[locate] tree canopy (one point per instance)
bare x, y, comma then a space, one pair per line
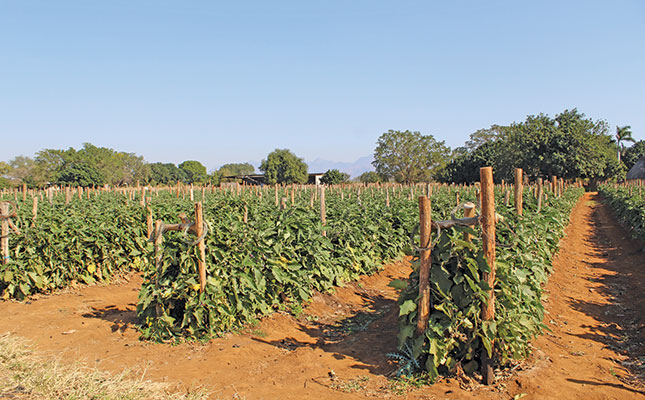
369, 177
409, 157
334, 177
282, 166
569, 146
194, 170
632, 154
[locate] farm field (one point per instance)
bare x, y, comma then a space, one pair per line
335, 348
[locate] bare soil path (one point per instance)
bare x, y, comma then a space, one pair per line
336, 348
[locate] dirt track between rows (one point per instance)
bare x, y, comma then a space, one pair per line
336, 348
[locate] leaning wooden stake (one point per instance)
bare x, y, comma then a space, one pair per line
425, 222
519, 188
488, 242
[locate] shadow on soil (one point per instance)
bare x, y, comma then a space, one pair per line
364, 335
621, 322
121, 319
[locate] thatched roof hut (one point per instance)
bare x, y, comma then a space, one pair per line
638, 170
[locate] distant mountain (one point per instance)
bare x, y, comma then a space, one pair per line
354, 168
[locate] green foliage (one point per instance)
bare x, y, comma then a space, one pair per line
623, 134
568, 146
282, 166
84, 241
89, 164
629, 208
632, 154
166, 174
194, 170
334, 177
236, 169
456, 334
409, 156
274, 261
369, 177
80, 174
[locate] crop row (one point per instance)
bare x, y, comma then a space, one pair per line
628, 204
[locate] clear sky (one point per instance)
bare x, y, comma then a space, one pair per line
230, 81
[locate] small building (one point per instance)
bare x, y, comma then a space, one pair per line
259, 179
638, 170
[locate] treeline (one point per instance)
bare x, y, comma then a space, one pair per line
570, 145
98, 166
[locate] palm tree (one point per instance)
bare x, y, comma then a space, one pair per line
623, 134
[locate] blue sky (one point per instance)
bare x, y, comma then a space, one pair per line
231, 81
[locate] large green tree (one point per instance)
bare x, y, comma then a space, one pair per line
569, 146
334, 177
79, 173
409, 157
282, 166
633, 154
166, 174
195, 171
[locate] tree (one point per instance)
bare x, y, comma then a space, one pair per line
166, 174
79, 173
568, 146
369, 177
334, 177
236, 169
282, 166
4, 170
409, 156
623, 134
195, 171
22, 170
633, 154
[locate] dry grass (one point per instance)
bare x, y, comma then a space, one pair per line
26, 375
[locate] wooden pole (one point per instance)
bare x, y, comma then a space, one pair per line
34, 211
425, 221
4, 241
469, 212
540, 189
199, 231
149, 220
488, 243
323, 214
519, 188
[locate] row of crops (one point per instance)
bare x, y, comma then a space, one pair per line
274, 259
628, 203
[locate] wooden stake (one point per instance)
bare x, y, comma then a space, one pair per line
488, 244
199, 231
425, 221
34, 211
539, 194
4, 241
149, 220
519, 188
469, 212
323, 214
